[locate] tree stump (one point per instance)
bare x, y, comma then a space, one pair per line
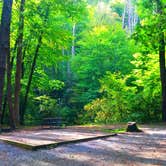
132, 127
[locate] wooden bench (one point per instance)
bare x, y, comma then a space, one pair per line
53, 122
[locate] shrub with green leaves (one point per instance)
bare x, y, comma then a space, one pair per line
47, 106
133, 97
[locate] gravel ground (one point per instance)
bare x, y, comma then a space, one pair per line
148, 148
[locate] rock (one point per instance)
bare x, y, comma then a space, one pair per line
132, 127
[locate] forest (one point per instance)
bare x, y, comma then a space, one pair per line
87, 61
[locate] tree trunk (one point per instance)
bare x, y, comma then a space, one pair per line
163, 74
9, 84
19, 65
132, 127
160, 9
9, 92
23, 68
73, 40
4, 44
4, 109
30, 80
129, 18
23, 109
69, 72
6, 96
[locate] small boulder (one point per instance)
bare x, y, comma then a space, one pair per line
132, 127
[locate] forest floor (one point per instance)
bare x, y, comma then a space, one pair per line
130, 149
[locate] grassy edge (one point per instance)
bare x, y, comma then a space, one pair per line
116, 131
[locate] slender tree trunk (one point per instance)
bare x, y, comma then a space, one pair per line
23, 109
4, 109
19, 64
72, 54
160, 9
73, 41
129, 18
4, 44
30, 79
23, 69
163, 74
9, 92
6, 98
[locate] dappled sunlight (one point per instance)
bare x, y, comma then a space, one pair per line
103, 7
123, 149
50, 137
98, 64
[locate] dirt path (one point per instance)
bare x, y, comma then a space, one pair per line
147, 148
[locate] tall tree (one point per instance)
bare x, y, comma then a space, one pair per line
160, 11
9, 92
44, 17
30, 79
151, 33
130, 18
4, 43
19, 63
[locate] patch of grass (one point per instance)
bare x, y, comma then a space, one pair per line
118, 130
91, 125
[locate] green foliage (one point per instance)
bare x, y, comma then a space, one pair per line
115, 104
135, 97
152, 23
147, 80
112, 77
69, 115
43, 82
102, 50
47, 106
118, 7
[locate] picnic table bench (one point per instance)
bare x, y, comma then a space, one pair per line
53, 122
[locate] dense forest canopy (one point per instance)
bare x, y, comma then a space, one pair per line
94, 61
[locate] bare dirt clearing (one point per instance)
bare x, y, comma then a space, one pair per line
37, 139
148, 148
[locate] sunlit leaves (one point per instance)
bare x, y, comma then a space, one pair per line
103, 48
